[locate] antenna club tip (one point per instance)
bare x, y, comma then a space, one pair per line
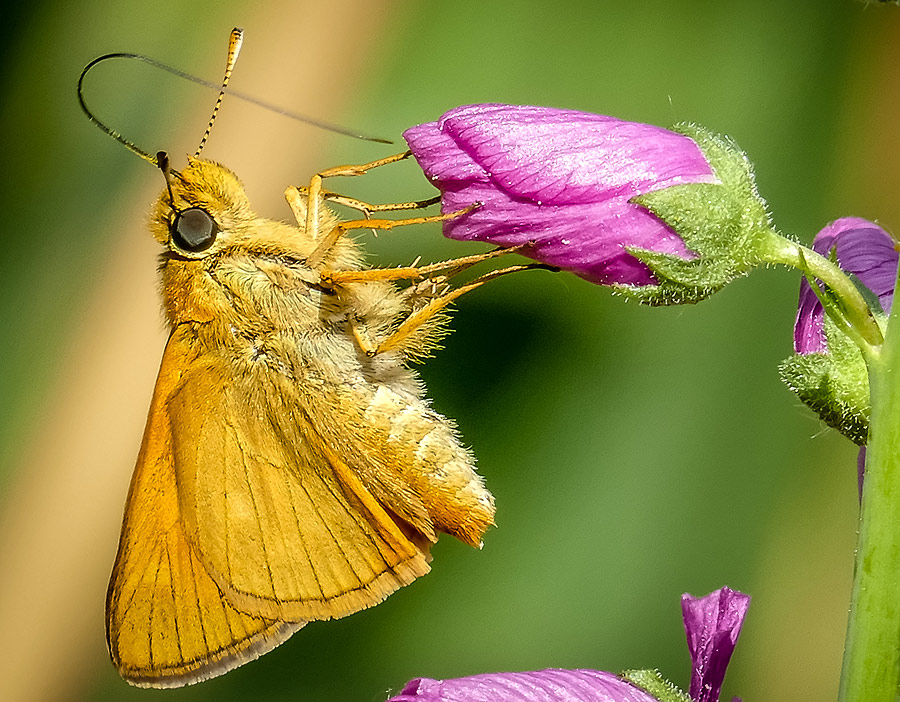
162, 161
234, 44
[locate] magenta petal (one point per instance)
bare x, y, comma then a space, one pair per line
589, 239
863, 249
809, 334
550, 685
535, 153
713, 624
559, 180
568, 157
440, 157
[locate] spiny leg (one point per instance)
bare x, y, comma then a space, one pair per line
339, 230
450, 267
315, 195
368, 208
415, 320
298, 200
364, 168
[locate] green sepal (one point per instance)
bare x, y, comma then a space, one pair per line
835, 385
871, 298
726, 224
653, 683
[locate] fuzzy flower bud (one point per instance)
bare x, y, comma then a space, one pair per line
663, 216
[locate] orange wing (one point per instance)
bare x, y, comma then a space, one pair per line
236, 534
167, 623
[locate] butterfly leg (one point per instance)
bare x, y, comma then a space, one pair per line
449, 267
367, 208
315, 195
306, 202
298, 198
318, 255
407, 331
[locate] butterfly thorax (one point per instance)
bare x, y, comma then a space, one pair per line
251, 297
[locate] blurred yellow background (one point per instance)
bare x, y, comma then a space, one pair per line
635, 453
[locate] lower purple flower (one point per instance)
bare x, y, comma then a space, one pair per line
712, 624
537, 686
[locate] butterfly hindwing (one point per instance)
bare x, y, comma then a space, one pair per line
284, 527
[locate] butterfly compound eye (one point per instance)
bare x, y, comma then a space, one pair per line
194, 230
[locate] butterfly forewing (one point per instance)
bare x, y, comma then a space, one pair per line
167, 622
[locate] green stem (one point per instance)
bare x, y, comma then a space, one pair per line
781, 250
871, 669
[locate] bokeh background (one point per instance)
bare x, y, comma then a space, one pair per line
635, 453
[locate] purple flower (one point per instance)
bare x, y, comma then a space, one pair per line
713, 624
827, 370
538, 686
560, 182
863, 249
867, 251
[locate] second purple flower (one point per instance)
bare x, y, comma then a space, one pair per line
827, 371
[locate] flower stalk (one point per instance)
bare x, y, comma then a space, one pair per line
871, 668
854, 306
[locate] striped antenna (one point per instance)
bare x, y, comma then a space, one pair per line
234, 48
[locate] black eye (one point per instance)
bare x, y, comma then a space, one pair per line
193, 230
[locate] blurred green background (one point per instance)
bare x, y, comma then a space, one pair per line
635, 453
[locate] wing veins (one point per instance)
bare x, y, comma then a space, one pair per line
200, 611
150, 615
174, 608
285, 476
336, 540
337, 543
302, 536
127, 605
382, 532
354, 516
227, 534
361, 523
258, 522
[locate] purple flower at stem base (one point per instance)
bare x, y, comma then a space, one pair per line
828, 371
712, 624
863, 249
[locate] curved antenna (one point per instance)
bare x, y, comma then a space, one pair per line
134, 148
329, 126
234, 48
